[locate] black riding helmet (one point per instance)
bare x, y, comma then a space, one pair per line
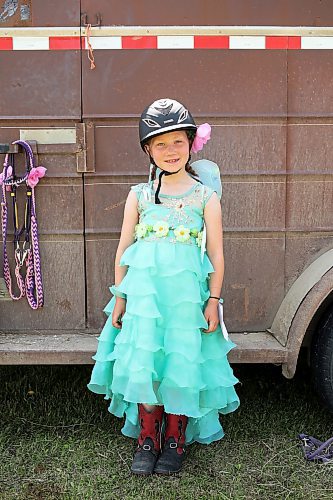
160, 117
164, 115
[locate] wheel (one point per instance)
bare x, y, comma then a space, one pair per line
322, 359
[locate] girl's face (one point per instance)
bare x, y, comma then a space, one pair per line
170, 151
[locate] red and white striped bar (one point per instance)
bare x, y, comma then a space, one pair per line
168, 38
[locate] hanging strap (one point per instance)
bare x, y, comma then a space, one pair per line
27, 254
7, 184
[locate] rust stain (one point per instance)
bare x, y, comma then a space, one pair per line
115, 205
65, 304
246, 298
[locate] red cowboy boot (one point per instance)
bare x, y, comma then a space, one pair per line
149, 442
173, 453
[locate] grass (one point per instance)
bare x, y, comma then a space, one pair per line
57, 441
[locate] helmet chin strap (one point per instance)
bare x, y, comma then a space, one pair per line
164, 172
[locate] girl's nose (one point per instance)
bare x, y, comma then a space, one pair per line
171, 147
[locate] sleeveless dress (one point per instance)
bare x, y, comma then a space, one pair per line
160, 355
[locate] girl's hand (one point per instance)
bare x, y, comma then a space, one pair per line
118, 312
211, 315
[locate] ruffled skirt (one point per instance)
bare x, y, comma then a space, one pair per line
160, 355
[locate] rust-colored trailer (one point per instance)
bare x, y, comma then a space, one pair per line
261, 73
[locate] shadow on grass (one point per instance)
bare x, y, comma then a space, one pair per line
57, 440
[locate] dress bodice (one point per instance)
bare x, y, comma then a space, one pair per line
179, 218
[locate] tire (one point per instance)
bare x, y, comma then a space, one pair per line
322, 359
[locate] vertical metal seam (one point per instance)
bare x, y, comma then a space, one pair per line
85, 273
286, 177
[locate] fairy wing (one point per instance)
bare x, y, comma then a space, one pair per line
209, 174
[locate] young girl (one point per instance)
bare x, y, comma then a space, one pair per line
162, 356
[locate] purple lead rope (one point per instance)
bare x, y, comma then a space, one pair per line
315, 450
31, 285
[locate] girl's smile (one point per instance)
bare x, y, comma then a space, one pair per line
170, 150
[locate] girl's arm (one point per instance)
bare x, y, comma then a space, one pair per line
213, 221
131, 218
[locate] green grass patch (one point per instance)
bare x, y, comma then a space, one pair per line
58, 441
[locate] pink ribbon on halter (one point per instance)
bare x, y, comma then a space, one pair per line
201, 138
35, 174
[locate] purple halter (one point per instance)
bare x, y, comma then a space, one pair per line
315, 450
27, 253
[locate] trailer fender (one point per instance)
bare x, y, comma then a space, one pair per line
302, 319
290, 305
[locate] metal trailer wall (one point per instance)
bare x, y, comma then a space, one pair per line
271, 114
42, 88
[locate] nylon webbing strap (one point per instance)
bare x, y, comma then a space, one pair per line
26, 254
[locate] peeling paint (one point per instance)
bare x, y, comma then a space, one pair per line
25, 12
8, 9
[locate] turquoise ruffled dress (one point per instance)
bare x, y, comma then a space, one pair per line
160, 355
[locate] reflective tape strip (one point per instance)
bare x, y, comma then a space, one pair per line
6, 43
283, 42
317, 42
211, 42
167, 42
139, 42
175, 42
104, 42
276, 42
64, 42
247, 42
294, 42
31, 43
168, 37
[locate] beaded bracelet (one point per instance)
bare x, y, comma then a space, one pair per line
114, 290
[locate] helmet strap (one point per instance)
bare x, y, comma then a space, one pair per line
164, 172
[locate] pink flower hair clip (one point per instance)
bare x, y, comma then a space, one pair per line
35, 174
201, 137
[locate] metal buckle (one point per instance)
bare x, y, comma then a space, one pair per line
306, 442
22, 254
173, 445
146, 447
